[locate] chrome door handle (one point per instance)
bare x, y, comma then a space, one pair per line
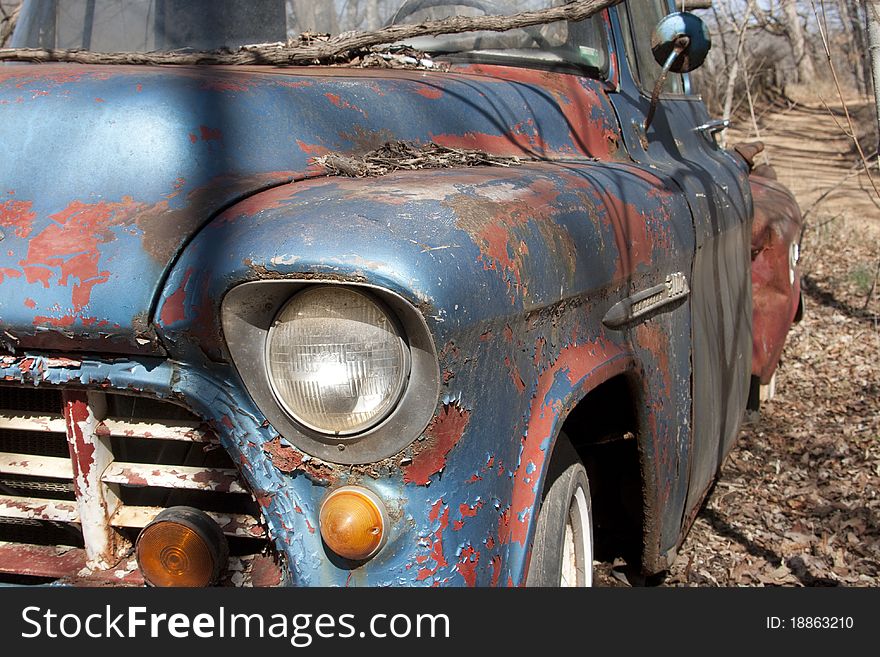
713, 126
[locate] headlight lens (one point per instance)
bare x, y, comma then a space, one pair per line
337, 362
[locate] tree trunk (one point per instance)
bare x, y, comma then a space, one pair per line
857, 29
733, 73
854, 48
872, 9
806, 73
314, 16
372, 11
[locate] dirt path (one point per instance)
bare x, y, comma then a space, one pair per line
798, 502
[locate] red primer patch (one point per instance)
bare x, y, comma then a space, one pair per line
70, 245
5, 273
174, 308
443, 434
430, 92
515, 376
18, 216
496, 569
312, 149
76, 412
436, 542
343, 104
210, 134
577, 362
467, 565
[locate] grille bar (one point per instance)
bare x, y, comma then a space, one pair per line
20, 421
36, 508
40, 560
219, 480
232, 524
125, 459
191, 432
37, 466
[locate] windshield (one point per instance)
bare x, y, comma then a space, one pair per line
148, 25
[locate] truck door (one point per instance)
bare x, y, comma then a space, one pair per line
717, 191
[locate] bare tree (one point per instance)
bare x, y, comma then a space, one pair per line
794, 29
315, 16
872, 8
372, 12
733, 73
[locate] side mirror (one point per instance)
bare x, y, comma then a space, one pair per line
682, 37
680, 43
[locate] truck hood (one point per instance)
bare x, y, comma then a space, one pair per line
106, 173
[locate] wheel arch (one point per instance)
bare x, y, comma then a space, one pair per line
615, 449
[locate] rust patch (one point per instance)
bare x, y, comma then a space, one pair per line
265, 571
17, 215
501, 218
289, 460
467, 565
444, 432
365, 140
210, 134
515, 376
435, 542
76, 412
174, 310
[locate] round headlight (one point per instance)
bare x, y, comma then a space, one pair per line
337, 362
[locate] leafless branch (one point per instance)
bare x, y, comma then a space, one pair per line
316, 49
7, 24
852, 130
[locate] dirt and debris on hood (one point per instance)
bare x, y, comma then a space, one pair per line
397, 155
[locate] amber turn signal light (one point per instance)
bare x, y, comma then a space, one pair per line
353, 523
182, 546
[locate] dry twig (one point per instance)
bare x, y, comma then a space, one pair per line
7, 23
396, 155
318, 49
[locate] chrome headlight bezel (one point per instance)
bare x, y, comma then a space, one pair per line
248, 313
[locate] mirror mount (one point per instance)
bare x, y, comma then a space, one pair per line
680, 44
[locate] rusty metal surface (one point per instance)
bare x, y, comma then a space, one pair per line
193, 182
776, 281
715, 187
164, 150
492, 301
90, 455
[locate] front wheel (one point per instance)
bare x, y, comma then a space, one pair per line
562, 552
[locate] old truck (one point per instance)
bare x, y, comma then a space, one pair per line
221, 365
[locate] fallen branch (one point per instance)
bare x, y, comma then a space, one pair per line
397, 155
318, 49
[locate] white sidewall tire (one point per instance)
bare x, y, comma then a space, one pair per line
562, 550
